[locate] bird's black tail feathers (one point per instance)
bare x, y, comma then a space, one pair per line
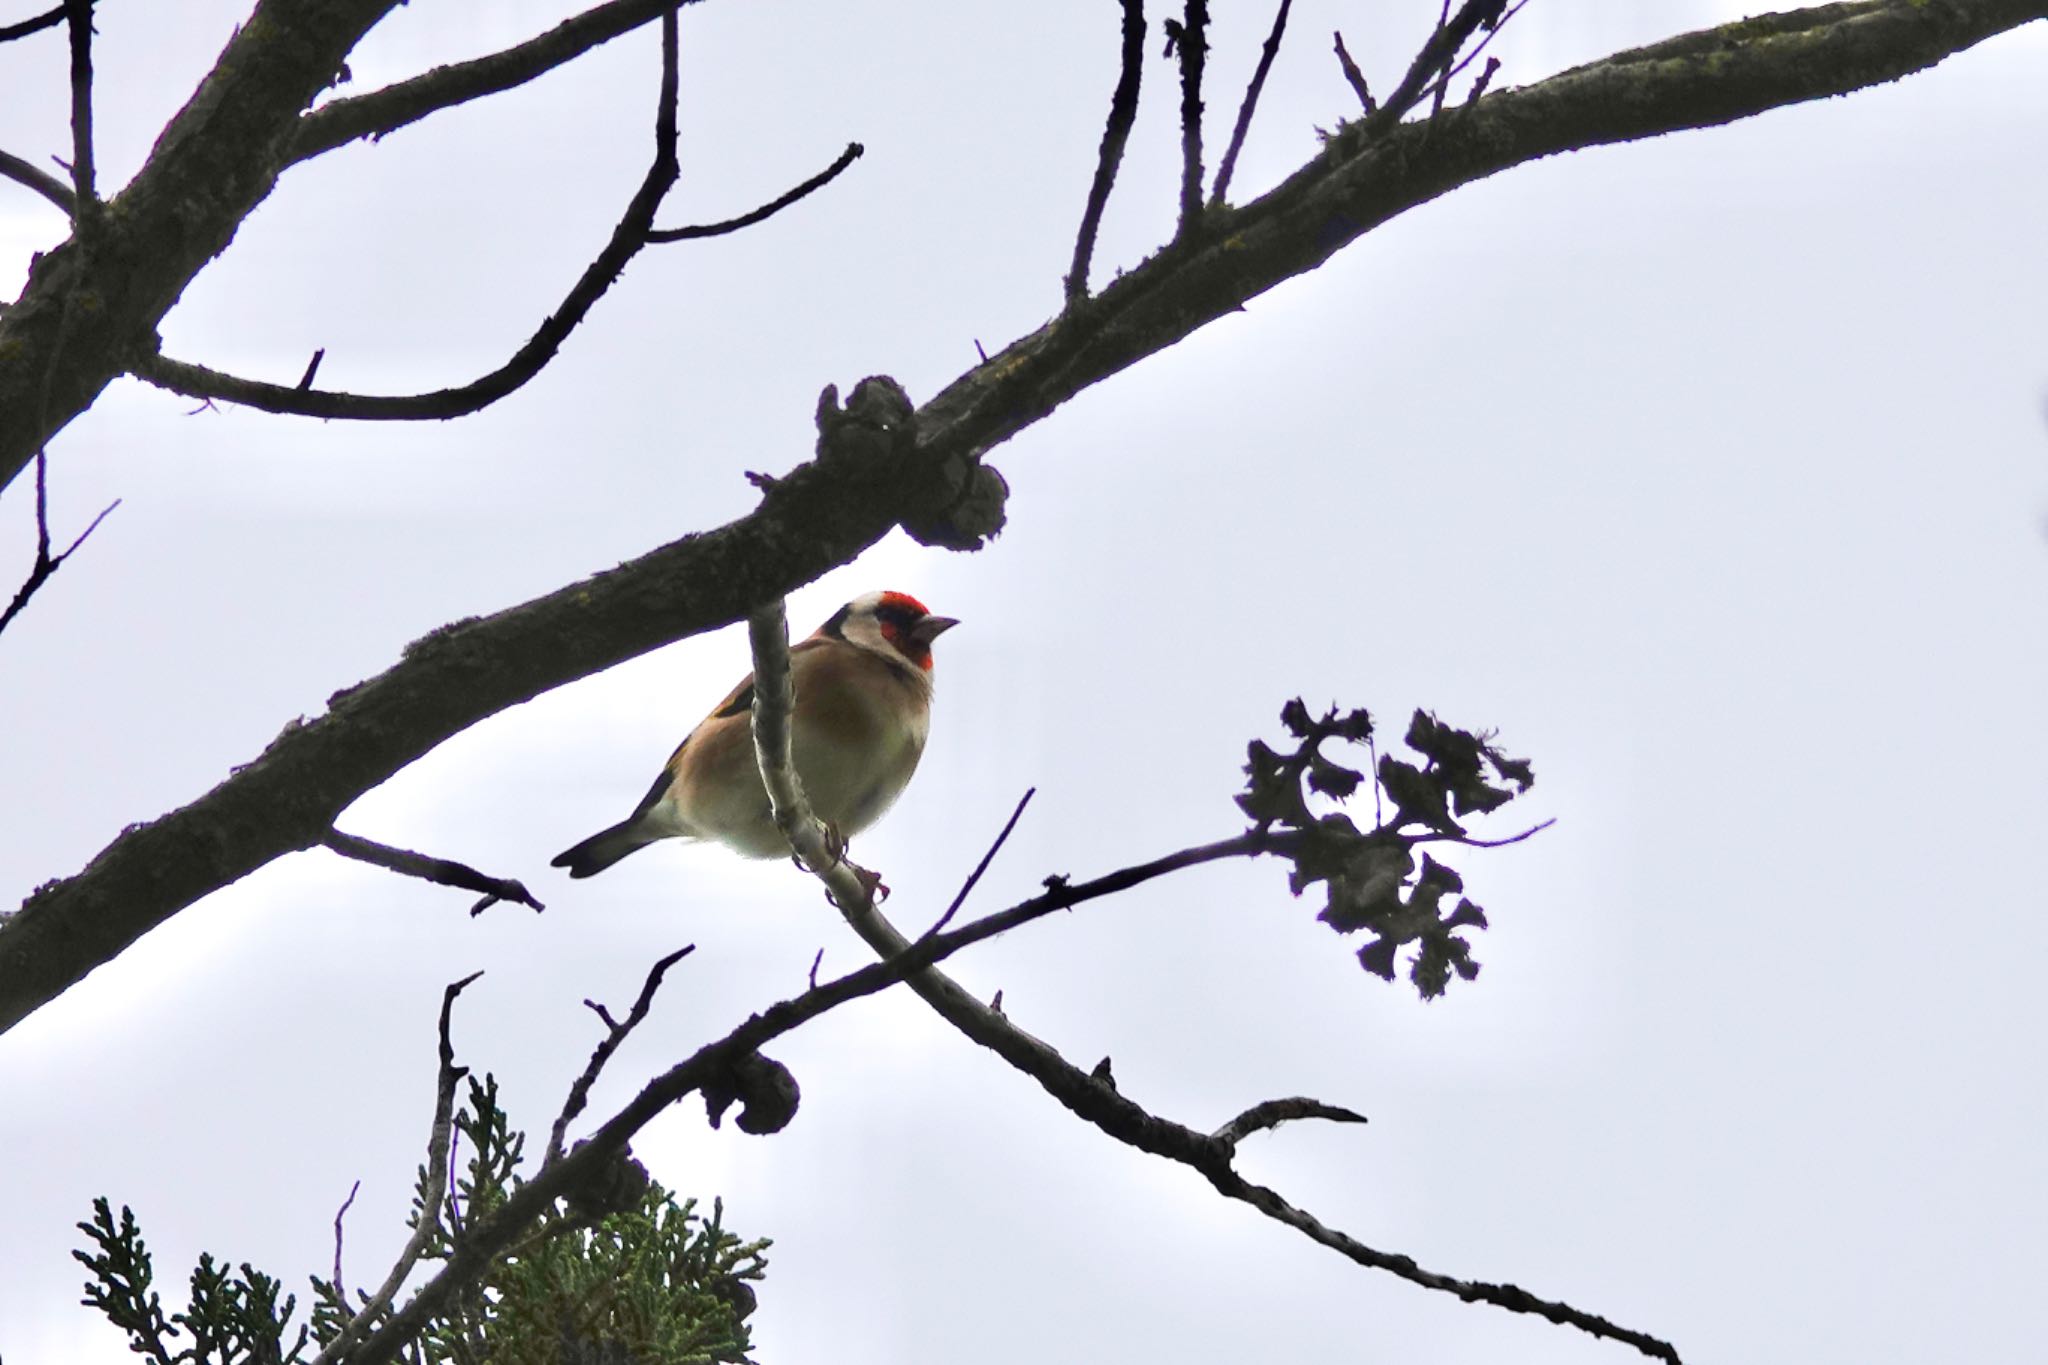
604, 848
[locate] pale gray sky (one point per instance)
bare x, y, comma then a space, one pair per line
1712, 471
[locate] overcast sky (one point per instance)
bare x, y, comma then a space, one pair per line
1712, 471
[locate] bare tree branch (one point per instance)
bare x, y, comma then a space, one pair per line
46, 563
440, 1141
78, 15
627, 239
440, 871
378, 112
1268, 1114
1190, 39
1250, 105
339, 1215
967, 887
774, 705
1123, 112
828, 511
1092, 1097
49, 18
1353, 75
616, 1032
215, 160
483, 1240
34, 177
768, 210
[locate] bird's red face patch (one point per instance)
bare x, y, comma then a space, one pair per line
899, 615
905, 601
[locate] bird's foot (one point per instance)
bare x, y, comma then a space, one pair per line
872, 882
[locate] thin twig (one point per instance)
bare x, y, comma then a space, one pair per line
340, 1214
1190, 38
1251, 103
1354, 75
441, 871
46, 563
312, 368
1493, 63
982, 866
615, 1034
1437, 56
440, 1145
36, 178
1437, 106
1485, 79
1123, 111
768, 210
627, 239
1470, 842
78, 14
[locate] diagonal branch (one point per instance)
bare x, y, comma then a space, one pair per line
1270, 1114
36, 178
627, 239
485, 1239
49, 18
616, 1032
813, 519
214, 162
768, 210
1092, 1098
378, 112
1250, 104
46, 563
1123, 112
441, 871
832, 509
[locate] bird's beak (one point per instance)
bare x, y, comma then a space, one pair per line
931, 628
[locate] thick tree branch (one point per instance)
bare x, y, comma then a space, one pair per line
819, 516
378, 112
214, 162
832, 510
1373, 171
628, 237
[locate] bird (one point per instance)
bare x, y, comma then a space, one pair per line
863, 707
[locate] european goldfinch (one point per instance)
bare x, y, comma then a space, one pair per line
863, 705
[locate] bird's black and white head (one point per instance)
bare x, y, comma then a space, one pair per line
894, 625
